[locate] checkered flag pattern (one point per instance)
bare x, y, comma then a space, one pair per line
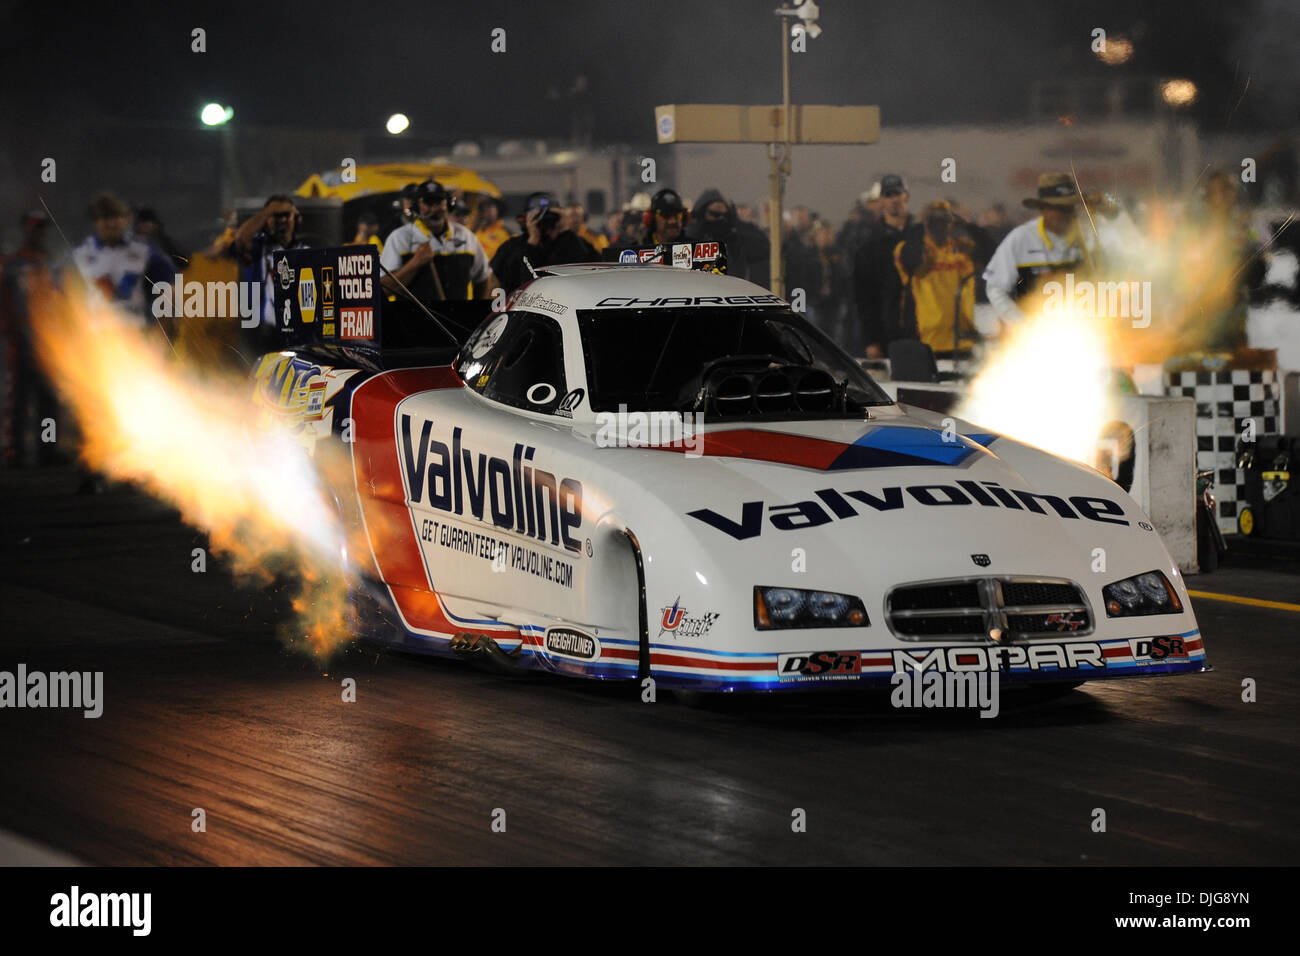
1223, 401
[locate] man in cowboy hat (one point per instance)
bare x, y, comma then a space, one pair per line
1036, 250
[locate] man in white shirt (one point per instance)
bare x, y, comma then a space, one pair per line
434, 257
118, 265
1035, 251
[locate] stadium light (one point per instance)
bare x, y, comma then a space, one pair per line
1178, 92
214, 114
397, 123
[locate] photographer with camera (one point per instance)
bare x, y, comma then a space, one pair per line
544, 242
256, 241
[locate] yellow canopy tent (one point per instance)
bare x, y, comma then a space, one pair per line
391, 177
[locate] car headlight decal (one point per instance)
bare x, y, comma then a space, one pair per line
777, 608
1141, 595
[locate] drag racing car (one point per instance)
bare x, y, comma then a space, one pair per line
633, 470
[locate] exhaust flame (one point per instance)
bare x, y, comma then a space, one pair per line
1047, 383
189, 438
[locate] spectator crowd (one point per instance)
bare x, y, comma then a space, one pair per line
883, 276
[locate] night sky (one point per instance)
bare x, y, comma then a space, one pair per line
348, 65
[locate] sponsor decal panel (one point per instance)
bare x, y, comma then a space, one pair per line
1066, 621
570, 401
307, 296
333, 290
1078, 655
706, 251
675, 621
837, 505
284, 272
501, 553
570, 642
632, 302
357, 323
513, 494
300, 392
1158, 650
327, 295
819, 666
538, 302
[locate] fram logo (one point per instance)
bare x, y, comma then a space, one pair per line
510, 494
357, 323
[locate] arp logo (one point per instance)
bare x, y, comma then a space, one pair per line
1160, 648
819, 665
706, 250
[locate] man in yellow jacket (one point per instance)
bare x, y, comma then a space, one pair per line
938, 277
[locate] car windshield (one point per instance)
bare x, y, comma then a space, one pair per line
725, 362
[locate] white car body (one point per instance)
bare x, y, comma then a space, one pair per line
643, 561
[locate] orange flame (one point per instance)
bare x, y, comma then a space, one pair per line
188, 437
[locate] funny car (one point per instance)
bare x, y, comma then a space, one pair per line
633, 470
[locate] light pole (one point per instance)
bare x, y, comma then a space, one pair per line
218, 117
779, 152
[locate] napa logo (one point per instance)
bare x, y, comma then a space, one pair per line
513, 494
307, 295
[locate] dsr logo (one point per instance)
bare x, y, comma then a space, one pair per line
1160, 648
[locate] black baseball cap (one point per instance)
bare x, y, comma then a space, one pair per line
431, 191
666, 202
892, 184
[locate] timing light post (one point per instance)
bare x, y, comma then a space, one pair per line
780, 127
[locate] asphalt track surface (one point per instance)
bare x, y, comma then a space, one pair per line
205, 708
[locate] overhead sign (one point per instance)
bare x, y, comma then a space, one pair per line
708, 123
